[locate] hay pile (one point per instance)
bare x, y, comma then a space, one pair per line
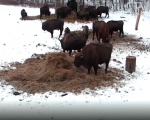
56, 72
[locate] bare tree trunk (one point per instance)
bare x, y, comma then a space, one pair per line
112, 4
105, 3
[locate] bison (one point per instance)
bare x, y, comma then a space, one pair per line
53, 24
85, 31
92, 55
67, 30
115, 26
103, 9
23, 14
102, 31
83, 15
44, 11
92, 11
72, 41
63, 12
72, 4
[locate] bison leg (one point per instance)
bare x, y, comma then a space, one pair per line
60, 33
95, 69
89, 69
97, 35
70, 51
51, 34
106, 67
93, 34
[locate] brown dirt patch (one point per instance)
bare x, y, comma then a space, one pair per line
56, 72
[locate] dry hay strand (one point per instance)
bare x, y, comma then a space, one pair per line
52, 16
56, 72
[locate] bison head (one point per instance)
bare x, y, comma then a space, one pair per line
79, 59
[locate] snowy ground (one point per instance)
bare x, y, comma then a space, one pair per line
131, 101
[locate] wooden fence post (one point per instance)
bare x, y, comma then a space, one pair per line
130, 64
138, 18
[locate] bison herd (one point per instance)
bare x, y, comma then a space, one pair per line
88, 55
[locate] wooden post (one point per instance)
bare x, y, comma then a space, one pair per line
130, 64
138, 18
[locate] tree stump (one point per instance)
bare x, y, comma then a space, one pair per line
130, 64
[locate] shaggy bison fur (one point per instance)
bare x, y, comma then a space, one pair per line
92, 55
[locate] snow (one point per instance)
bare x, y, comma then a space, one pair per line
19, 40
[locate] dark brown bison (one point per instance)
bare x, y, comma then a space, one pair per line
23, 14
72, 41
44, 11
102, 31
115, 26
72, 4
92, 55
103, 9
63, 12
67, 30
53, 24
92, 11
83, 15
85, 31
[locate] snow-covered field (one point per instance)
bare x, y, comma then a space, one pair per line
132, 100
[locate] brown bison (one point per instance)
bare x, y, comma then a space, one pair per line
92, 55
83, 15
85, 31
115, 26
53, 24
63, 12
72, 41
103, 9
102, 31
